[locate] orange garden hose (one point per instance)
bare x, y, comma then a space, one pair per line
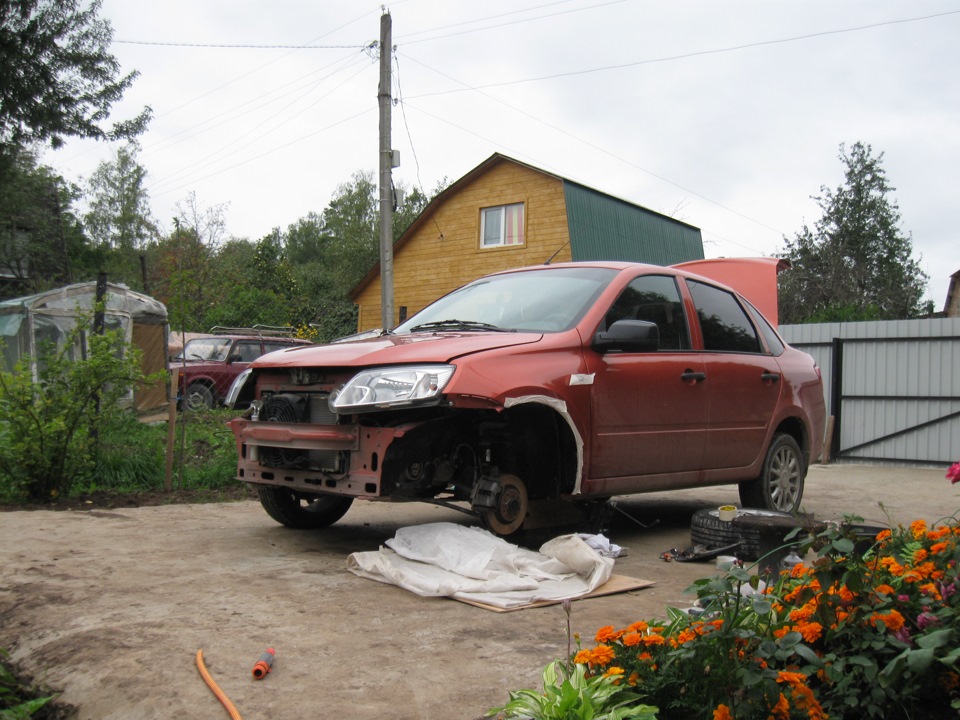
216, 689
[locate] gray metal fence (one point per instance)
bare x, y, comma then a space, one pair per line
892, 388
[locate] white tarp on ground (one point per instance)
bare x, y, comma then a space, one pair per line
448, 560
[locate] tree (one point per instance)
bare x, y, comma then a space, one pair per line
119, 220
41, 241
57, 78
856, 263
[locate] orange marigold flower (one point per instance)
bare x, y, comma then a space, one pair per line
893, 620
846, 594
791, 678
653, 640
938, 533
686, 635
630, 639
613, 671
919, 556
606, 634
804, 612
602, 655
644, 656
883, 535
780, 632
639, 626
938, 548
931, 590
722, 713
949, 681
632, 680
781, 711
918, 528
885, 589
583, 657
891, 565
811, 631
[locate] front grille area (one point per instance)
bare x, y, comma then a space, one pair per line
309, 408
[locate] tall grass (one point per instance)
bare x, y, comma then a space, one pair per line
132, 455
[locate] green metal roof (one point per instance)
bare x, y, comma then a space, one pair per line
603, 227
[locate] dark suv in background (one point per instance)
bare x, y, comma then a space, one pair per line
208, 365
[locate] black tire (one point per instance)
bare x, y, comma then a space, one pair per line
302, 511
198, 397
780, 485
757, 532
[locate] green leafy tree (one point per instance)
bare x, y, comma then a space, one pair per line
50, 422
57, 78
856, 263
42, 244
118, 220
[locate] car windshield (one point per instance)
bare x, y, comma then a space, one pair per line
547, 300
205, 349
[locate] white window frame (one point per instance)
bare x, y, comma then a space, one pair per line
500, 212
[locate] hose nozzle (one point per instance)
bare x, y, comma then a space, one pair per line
263, 664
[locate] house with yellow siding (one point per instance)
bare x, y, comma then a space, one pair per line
505, 214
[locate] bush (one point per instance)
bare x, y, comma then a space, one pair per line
50, 426
858, 633
870, 629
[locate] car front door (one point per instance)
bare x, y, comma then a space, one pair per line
649, 410
743, 381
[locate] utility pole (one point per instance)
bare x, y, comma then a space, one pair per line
386, 177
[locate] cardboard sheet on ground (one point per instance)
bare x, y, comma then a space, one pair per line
473, 565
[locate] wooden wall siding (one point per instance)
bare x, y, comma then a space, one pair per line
428, 265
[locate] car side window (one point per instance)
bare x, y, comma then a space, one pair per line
248, 351
723, 321
656, 299
270, 346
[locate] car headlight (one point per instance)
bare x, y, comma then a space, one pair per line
235, 387
391, 387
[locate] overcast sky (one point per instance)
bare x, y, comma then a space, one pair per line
726, 114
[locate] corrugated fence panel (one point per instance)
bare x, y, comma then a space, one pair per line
900, 386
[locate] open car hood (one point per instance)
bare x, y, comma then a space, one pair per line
395, 349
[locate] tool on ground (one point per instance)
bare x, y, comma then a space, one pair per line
264, 663
224, 700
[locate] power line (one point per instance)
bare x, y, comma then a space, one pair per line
699, 53
229, 46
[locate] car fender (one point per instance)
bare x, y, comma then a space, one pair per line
560, 407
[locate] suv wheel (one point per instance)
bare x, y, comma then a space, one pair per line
198, 397
780, 485
302, 511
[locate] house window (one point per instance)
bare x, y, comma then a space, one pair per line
501, 226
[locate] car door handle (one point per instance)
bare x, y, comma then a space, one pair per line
690, 376
770, 377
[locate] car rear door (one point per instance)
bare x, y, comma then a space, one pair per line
649, 410
743, 381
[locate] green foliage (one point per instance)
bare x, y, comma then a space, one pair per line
19, 699
132, 455
48, 434
572, 694
41, 241
57, 78
869, 629
856, 263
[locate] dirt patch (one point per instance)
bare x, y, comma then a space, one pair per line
112, 604
96, 501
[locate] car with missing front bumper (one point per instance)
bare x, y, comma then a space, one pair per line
531, 392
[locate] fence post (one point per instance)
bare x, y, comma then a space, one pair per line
836, 396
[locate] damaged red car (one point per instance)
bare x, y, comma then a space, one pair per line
534, 391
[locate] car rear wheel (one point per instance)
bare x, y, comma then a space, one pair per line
198, 397
302, 511
780, 485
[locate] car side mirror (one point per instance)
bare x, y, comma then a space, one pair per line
628, 336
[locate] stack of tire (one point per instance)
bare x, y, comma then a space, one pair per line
757, 534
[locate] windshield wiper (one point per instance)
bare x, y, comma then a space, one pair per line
458, 325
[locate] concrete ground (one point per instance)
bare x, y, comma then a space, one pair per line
111, 605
